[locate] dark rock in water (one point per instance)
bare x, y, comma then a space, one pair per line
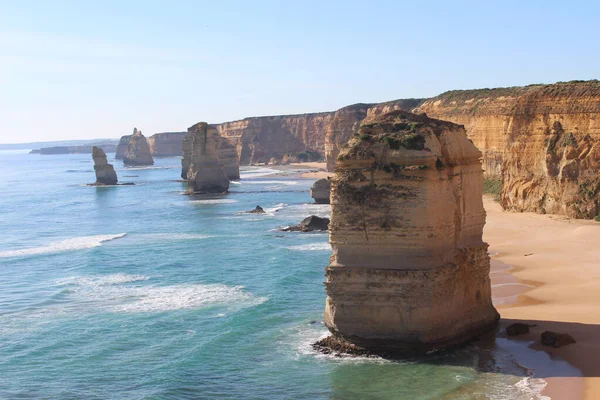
518, 328
339, 347
556, 340
309, 224
138, 151
320, 191
105, 173
257, 210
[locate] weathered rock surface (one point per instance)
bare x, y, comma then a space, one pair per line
257, 210
309, 224
409, 270
543, 141
556, 340
205, 173
319, 191
166, 144
122, 147
105, 173
138, 151
226, 152
517, 328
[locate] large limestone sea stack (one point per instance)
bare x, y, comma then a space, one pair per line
138, 151
409, 271
205, 172
105, 173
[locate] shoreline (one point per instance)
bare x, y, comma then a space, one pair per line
544, 265
556, 256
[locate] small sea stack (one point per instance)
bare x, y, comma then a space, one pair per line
320, 191
409, 271
205, 172
122, 147
105, 173
138, 151
227, 154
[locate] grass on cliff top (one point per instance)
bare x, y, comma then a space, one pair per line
493, 187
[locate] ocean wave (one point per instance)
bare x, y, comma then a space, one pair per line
311, 247
118, 293
257, 173
151, 167
213, 201
77, 243
286, 183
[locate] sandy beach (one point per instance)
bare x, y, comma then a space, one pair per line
560, 260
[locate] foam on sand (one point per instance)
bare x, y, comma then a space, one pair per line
76, 243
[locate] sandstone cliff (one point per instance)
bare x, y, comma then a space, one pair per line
122, 147
105, 173
542, 141
166, 144
138, 151
409, 270
205, 173
320, 191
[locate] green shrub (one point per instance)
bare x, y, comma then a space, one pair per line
597, 218
492, 187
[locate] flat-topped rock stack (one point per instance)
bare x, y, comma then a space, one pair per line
105, 173
319, 191
409, 271
227, 154
122, 147
205, 173
138, 151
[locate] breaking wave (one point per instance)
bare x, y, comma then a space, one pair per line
77, 243
311, 247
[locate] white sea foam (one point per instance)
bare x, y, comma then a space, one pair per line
213, 201
311, 247
511, 284
77, 243
257, 173
286, 183
126, 293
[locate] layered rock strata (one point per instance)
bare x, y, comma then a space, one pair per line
205, 173
166, 144
226, 152
105, 173
320, 190
138, 151
542, 141
409, 270
122, 147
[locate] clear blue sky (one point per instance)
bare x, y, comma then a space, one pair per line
89, 69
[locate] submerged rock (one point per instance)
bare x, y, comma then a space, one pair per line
138, 151
556, 340
320, 191
409, 271
257, 210
518, 328
105, 173
205, 173
309, 224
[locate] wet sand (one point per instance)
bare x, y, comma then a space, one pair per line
560, 259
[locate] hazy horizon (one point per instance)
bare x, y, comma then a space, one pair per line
74, 71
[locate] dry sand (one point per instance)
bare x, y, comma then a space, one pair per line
560, 260
318, 170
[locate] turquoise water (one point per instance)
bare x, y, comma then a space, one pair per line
140, 292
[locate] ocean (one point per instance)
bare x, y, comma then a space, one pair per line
141, 292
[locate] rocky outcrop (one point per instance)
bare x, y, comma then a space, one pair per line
308, 224
542, 141
319, 191
256, 210
556, 340
409, 270
105, 173
122, 147
166, 144
138, 151
226, 152
205, 173
302, 137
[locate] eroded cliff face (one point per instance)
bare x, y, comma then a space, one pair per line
166, 144
542, 141
205, 173
409, 270
138, 151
